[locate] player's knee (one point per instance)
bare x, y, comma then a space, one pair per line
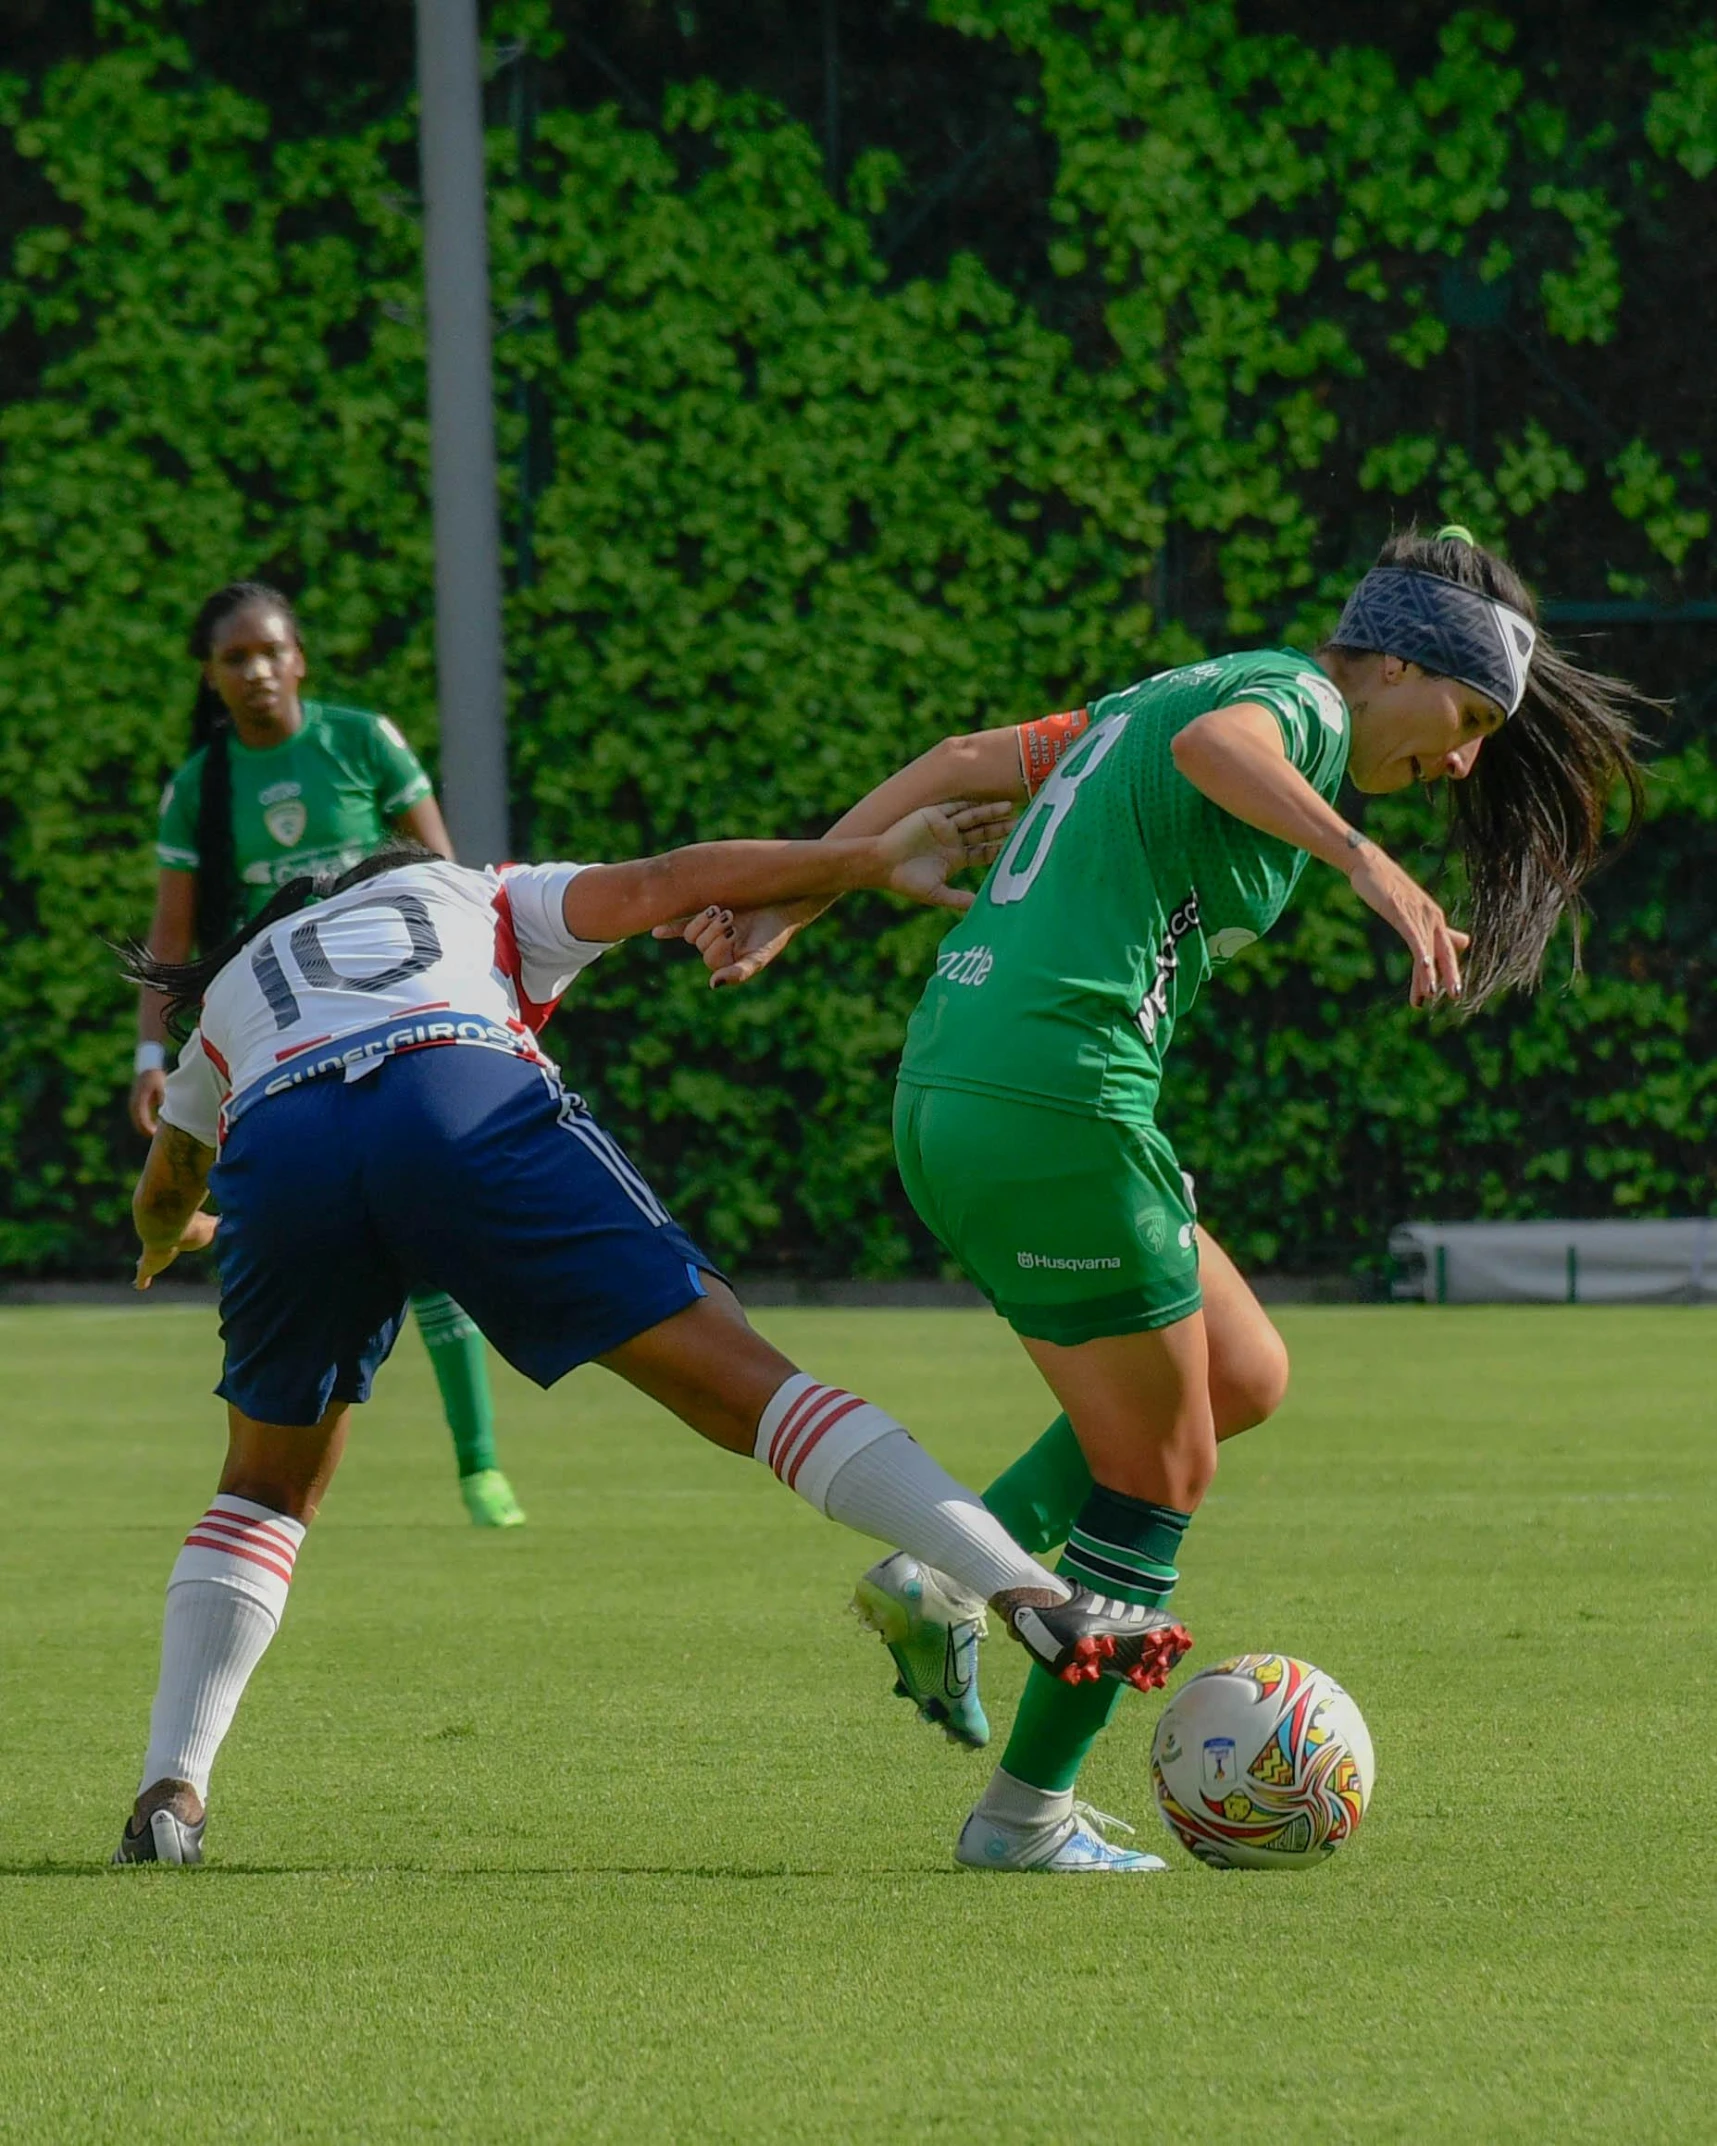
1249, 1392
1196, 1469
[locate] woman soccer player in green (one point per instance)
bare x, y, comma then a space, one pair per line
276, 787
1166, 829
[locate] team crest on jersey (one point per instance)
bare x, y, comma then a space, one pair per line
287, 821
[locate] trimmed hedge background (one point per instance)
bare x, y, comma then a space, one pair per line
809, 462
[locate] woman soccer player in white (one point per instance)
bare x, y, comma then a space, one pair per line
367, 1101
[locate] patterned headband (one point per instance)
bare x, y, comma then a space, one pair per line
1458, 632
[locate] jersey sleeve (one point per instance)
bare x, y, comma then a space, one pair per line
548, 955
399, 773
176, 826
1044, 744
1312, 717
194, 1094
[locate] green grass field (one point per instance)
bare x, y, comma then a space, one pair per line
607, 1829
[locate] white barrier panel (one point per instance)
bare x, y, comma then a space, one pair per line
1557, 1262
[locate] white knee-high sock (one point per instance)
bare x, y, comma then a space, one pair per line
856, 1464
224, 1604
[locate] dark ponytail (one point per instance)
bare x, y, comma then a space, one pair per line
218, 893
1529, 822
183, 984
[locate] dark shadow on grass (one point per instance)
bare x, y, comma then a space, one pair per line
698, 1873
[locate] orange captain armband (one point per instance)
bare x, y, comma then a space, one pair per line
1047, 742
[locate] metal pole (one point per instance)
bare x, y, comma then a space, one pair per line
470, 672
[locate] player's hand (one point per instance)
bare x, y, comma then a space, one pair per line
1433, 942
738, 944
922, 852
146, 1093
197, 1235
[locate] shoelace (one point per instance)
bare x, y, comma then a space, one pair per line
1102, 1822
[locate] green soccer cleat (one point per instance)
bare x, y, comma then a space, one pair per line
932, 1631
489, 1500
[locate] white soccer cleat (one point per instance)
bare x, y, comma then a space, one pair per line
1074, 1843
163, 1837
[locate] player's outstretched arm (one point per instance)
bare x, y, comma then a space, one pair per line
981, 765
1235, 756
985, 764
916, 856
165, 1207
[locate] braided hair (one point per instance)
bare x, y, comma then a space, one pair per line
211, 734
183, 984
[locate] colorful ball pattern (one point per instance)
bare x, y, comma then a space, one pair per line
1262, 1763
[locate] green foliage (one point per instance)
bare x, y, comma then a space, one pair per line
792, 518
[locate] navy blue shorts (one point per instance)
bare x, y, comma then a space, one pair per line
455, 1169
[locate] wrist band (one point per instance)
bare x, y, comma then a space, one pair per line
149, 1058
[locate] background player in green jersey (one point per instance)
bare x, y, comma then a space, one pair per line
1166, 829
275, 787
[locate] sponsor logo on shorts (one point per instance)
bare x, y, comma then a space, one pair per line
1183, 920
378, 1044
354, 1055
1056, 1265
965, 965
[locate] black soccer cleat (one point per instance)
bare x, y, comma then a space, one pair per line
163, 1837
1091, 1636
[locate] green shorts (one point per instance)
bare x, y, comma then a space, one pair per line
1073, 1227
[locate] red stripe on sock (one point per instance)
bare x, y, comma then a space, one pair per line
247, 1530
194, 1541
804, 1423
816, 1438
789, 1424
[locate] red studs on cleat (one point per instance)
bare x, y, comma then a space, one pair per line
1158, 1653
1161, 1650
1088, 1654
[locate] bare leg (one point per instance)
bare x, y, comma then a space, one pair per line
1248, 1358
709, 1366
849, 1459
1140, 1408
284, 1466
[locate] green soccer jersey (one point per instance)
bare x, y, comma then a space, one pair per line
1120, 887
319, 802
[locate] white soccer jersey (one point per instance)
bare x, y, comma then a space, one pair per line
430, 954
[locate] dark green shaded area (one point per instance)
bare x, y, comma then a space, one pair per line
1104, 337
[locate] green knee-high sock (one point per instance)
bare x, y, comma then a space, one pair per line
457, 1352
1117, 1546
1038, 1498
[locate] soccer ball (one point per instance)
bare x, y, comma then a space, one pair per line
1262, 1763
